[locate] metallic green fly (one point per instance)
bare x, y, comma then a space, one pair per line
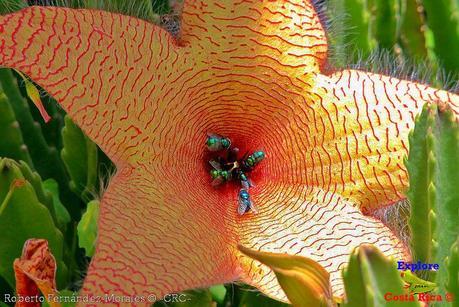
249, 163
217, 142
218, 174
243, 178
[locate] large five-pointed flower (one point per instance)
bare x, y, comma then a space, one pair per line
251, 70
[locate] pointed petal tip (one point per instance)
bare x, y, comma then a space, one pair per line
35, 270
302, 279
34, 95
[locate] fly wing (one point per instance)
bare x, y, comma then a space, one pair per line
214, 135
215, 146
242, 208
244, 204
215, 165
217, 181
246, 184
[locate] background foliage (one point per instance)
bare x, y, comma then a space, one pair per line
64, 171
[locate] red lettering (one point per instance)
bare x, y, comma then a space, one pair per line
426, 297
388, 296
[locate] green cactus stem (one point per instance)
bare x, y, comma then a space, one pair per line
443, 20
434, 173
23, 216
45, 158
80, 156
369, 276
12, 144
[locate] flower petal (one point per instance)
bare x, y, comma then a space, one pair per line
287, 33
154, 237
34, 95
309, 222
361, 127
99, 66
36, 269
303, 280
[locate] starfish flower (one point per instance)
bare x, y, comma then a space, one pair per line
250, 70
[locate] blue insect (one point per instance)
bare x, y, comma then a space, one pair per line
245, 203
246, 183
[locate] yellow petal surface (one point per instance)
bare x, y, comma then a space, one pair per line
249, 70
303, 280
359, 137
287, 34
309, 222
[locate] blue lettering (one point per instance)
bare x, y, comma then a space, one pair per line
417, 266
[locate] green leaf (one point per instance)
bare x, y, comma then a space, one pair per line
337, 32
45, 158
416, 284
23, 217
446, 150
303, 280
143, 9
9, 6
386, 22
443, 20
34, 179
434, 173
453, 273
80, 158
87, 228
62, 215
161, 6
5, 289
412, 34
369, 276
354, 282
218, 293
359, 35
253, 298
420, 178
12, 144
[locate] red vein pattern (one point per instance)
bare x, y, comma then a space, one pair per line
144, 252
362, 121
250, 70
327, 230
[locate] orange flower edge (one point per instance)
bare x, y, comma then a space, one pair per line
335, 143
35, 271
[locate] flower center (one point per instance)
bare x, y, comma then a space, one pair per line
227, 165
